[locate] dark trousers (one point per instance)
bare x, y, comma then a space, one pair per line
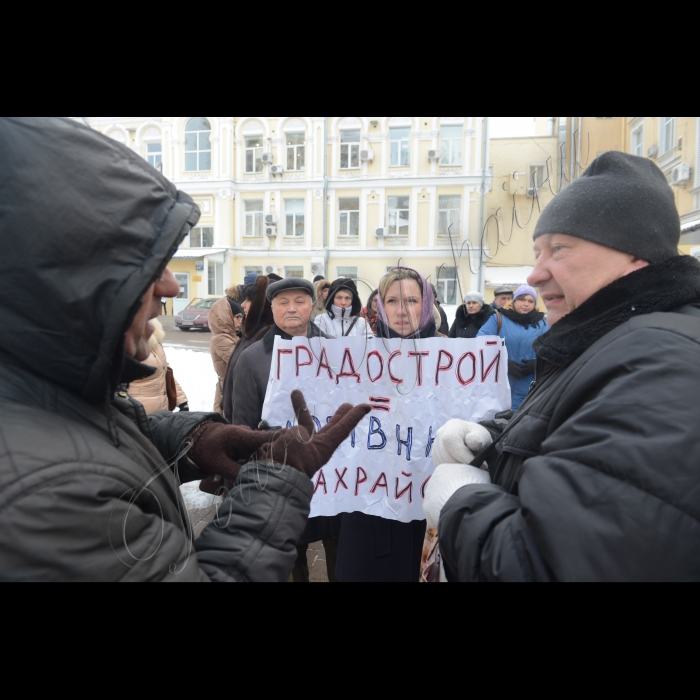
301, 568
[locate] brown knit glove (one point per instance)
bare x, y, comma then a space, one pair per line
303, 449
221, 450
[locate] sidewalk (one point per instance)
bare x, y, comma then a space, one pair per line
201, 509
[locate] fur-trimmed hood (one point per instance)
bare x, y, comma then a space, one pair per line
158, 335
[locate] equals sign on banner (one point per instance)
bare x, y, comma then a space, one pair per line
379, 403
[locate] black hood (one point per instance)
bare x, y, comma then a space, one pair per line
86, 226
345, 285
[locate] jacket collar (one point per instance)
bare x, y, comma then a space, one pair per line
663, 287
269, 339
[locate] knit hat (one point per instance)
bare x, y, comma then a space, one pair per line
250, 278
474, 296
289, 285
526, 290
622, 202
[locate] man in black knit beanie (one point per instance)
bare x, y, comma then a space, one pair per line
596, 478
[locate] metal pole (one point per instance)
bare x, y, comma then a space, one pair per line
482, 218
327, 252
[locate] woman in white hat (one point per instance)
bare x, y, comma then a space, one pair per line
471, 316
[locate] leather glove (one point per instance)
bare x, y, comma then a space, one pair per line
528, 367
304, 449
515, 370
185, 408
447, 480
221, 450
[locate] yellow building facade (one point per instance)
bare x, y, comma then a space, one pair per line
383, 191
671, 142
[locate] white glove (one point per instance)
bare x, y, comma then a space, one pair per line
458, 442
447, 480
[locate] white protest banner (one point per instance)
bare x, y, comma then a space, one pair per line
414, 388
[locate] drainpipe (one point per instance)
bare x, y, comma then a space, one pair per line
580, 138
572, 164
327, 252
482, 218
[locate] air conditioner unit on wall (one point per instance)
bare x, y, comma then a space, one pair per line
271, 270
532, 192
434, 155
681, 175
268, 158
271, 231
653, 151
367, 156
318, 267
271, 220
381, 233
276, 170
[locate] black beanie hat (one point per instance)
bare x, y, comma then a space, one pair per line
622, 202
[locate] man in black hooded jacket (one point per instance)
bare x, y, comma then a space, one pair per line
89, 485
596, 478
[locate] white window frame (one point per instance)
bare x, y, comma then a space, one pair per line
452, 160
254, 220
294, 269
403, 147
344, 227
199, 152
397, 211
535, 169
669, 142
199, 231
352, 148
218, 279
342, 273
155, 158
293, 218
444, 283
450, 216
256, 152
638, 141
295, 151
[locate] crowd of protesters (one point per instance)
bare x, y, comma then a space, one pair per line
591, 477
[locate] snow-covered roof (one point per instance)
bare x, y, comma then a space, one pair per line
507, 276
196, 253
691, 226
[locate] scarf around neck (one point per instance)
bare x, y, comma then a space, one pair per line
662, 287
531, 320
385, 331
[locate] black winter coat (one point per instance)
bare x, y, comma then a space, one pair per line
87, 490
597, 477
468, 325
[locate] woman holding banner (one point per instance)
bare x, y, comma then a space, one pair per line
372, 549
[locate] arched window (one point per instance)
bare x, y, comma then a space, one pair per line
198, 145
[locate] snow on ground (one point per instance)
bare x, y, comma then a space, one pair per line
195, 373
196, 500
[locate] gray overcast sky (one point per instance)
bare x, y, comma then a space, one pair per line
512, 126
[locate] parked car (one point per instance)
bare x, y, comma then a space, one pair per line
196, 315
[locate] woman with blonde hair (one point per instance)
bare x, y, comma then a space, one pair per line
520, 324
372, 549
